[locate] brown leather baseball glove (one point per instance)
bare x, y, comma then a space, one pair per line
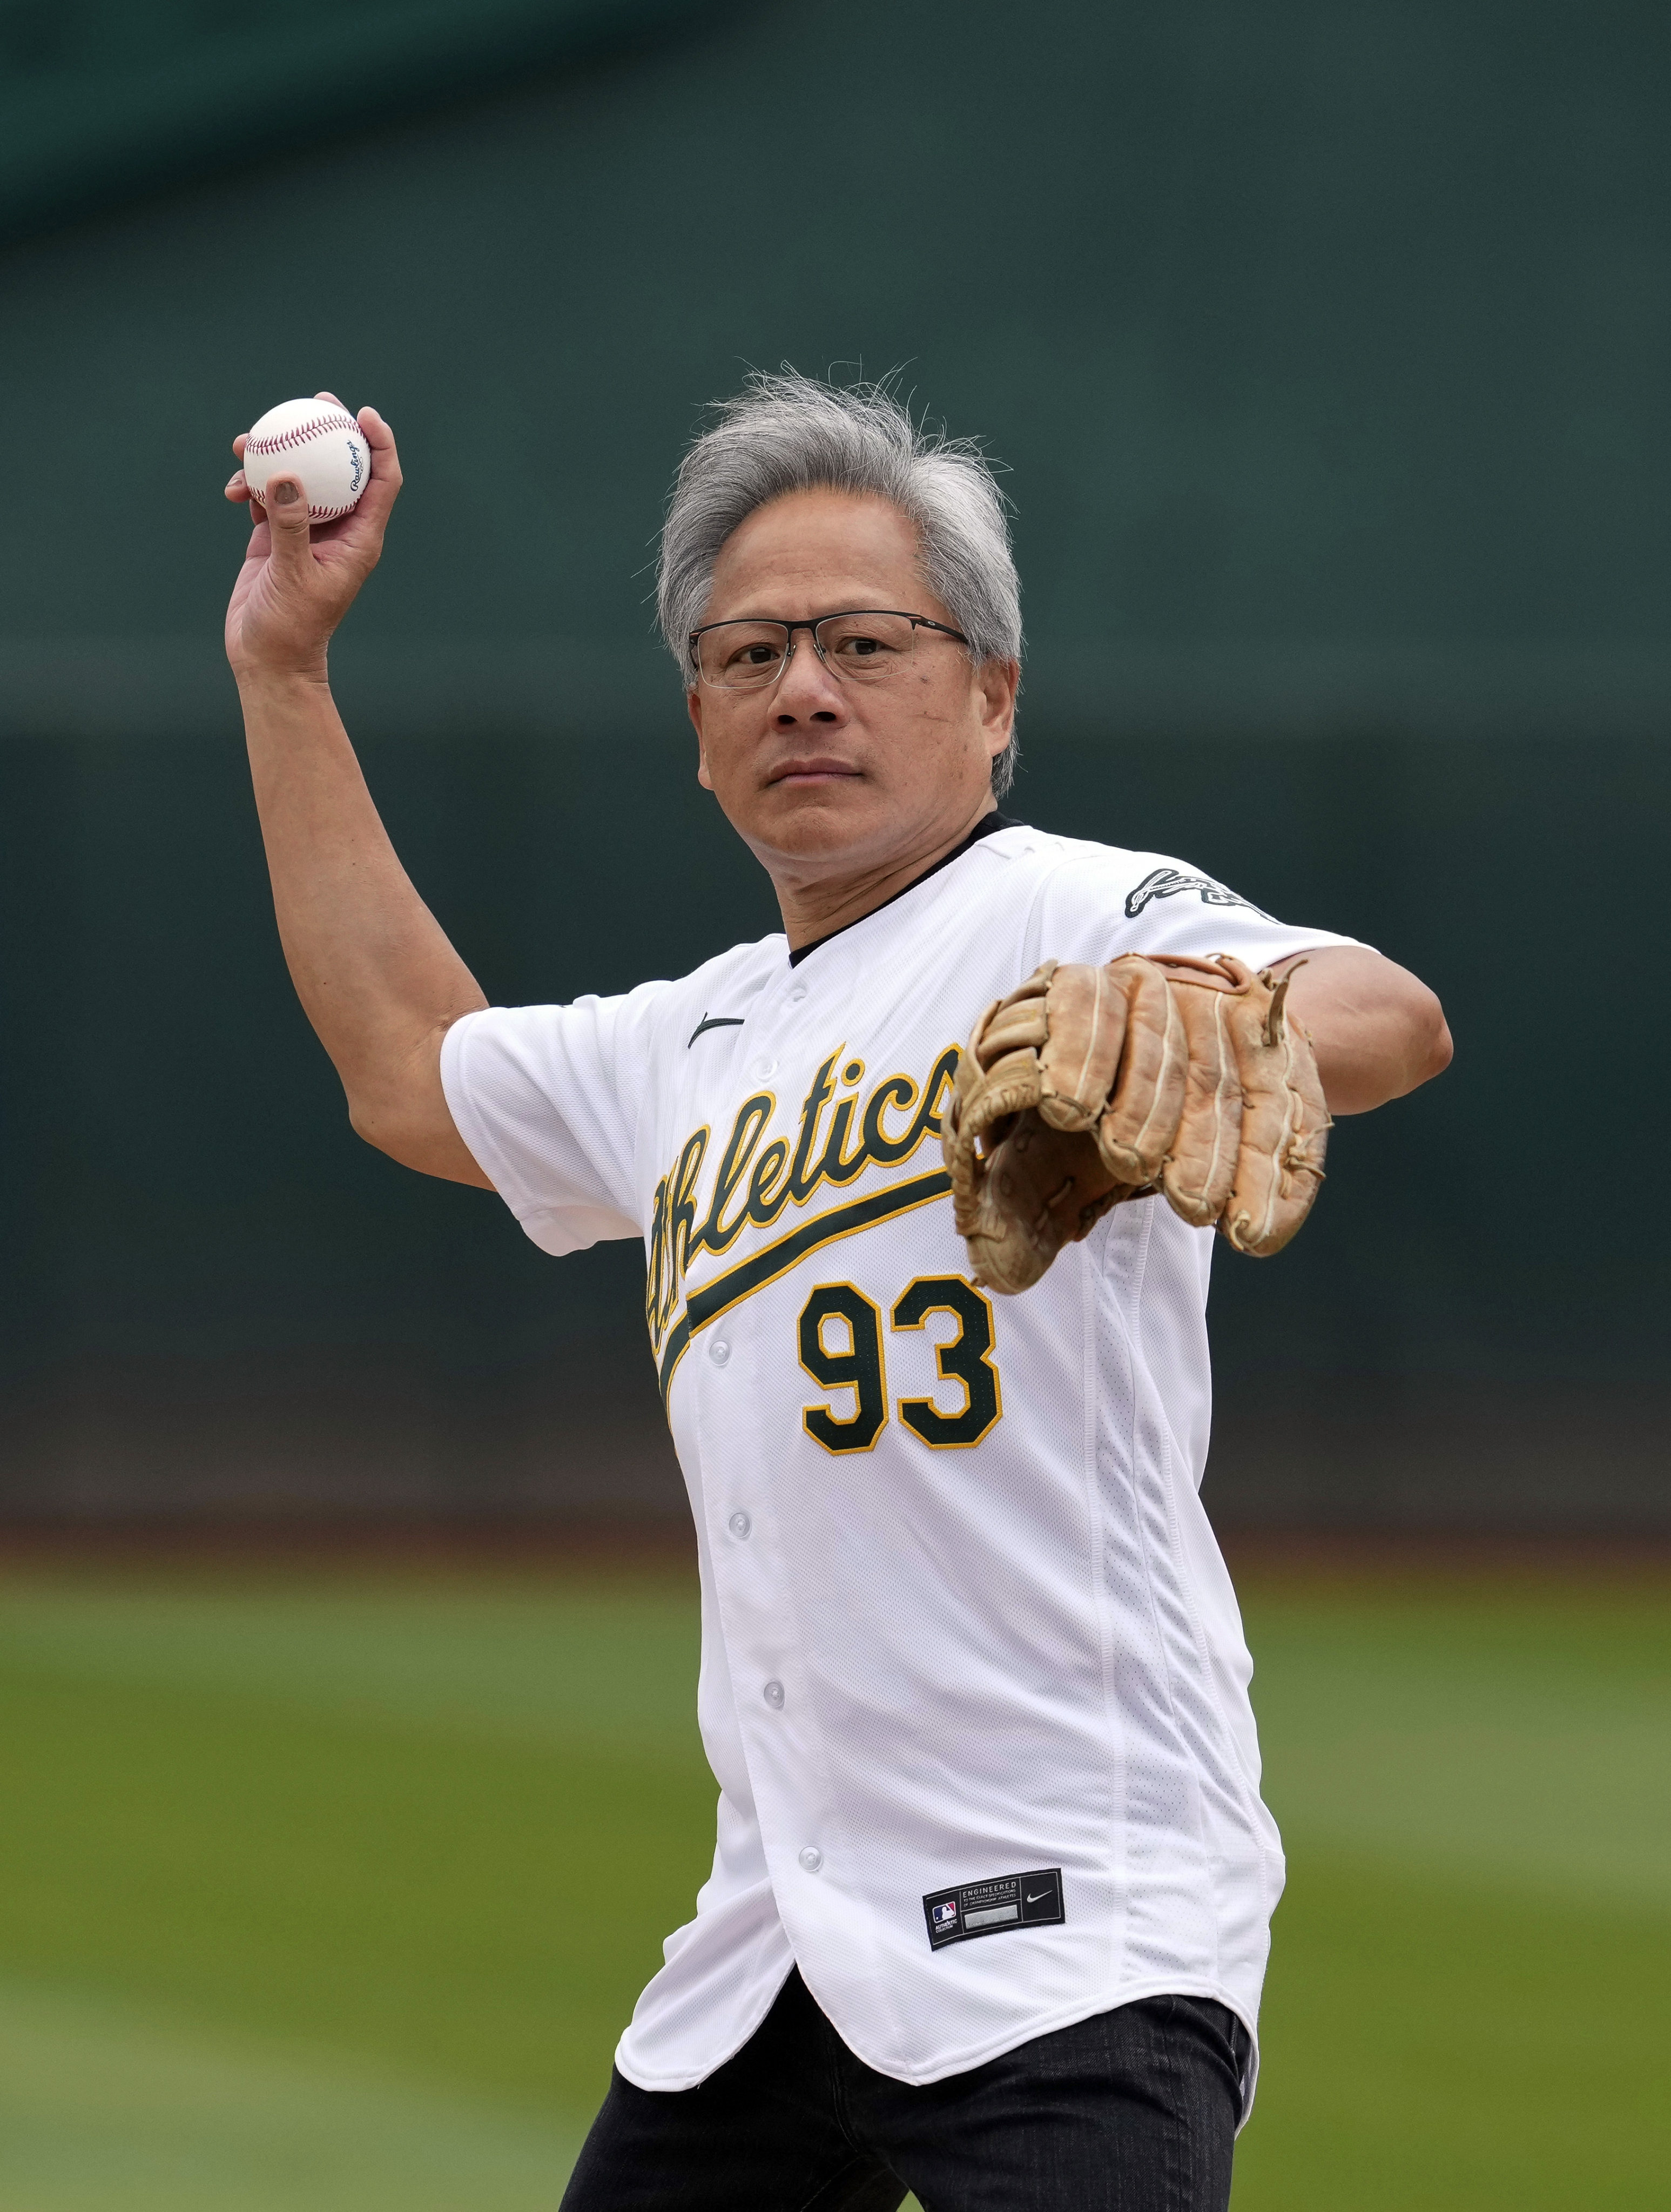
1088, 1086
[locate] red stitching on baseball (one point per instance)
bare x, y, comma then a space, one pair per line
316, 513
299, 435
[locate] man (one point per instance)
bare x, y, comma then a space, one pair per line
990, 1908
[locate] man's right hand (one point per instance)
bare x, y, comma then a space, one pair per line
296, 585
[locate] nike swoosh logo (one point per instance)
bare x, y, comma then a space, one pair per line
1040, 1898
715, 1022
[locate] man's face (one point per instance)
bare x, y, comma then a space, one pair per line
820, 775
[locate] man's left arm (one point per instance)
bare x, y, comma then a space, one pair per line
1376, 1029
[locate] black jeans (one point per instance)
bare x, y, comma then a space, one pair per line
1133, 2111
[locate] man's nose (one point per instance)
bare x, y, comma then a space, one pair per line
807, 692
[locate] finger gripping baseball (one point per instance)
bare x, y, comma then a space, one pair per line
1089, 1086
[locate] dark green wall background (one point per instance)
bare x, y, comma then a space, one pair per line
1327, 350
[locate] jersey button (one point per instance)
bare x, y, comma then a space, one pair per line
762, 1068
739, 1525
811, 1858
773, 1694
719, 1352
797, 994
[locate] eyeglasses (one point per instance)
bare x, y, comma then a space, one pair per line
865, 647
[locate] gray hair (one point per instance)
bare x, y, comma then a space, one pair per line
788, 433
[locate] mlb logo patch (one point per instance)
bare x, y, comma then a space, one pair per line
987, 1908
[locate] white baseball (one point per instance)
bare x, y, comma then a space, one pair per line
318, 442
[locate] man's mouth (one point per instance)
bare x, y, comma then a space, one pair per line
818, 768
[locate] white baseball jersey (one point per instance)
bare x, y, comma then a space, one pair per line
974, 1684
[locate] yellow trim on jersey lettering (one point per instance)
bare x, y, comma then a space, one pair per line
674, 1209
926, 1406
772, 1261
776, 1176
753, 1118
832, 1419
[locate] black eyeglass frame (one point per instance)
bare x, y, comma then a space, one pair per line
813, 623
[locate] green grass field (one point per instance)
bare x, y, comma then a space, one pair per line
329, 1892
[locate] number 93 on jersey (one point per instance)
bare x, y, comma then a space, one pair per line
844, 1345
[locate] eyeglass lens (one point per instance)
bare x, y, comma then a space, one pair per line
868, 647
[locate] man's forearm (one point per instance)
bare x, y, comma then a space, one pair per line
372, 967
1377, 1030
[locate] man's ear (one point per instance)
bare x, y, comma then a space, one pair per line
998, 682
693, 707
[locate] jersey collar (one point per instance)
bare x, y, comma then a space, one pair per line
983, 828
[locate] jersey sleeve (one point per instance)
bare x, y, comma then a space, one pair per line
547, 1100
1101, 903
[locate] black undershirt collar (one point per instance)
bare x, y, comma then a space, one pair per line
983, 828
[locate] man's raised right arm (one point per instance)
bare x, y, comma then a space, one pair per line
375, 971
